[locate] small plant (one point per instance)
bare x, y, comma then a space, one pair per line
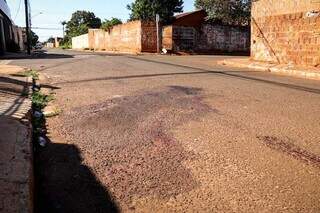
40, 100
31, 73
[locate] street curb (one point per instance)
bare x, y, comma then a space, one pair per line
28, 123
299, 72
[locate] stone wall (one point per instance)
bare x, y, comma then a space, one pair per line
131, 37
286, 31
208, 38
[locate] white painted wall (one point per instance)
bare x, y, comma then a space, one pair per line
80, 42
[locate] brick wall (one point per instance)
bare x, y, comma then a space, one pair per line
167, 41
286, 31
148, 37
133, 37
207, 38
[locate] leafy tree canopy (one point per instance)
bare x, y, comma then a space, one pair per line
234, 12
50, 40
147, 9
108, 24
80, 22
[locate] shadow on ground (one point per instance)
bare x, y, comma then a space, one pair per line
64, 184
40, 54
13, 93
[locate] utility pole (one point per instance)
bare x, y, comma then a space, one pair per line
63, 27
158, 33
26, 4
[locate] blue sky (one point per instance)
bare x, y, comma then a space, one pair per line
53, 12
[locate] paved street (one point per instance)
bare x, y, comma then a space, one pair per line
176, 134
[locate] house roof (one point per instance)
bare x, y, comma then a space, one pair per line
182, 15
190, 19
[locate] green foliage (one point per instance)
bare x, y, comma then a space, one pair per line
66, 43
31, 73
63, 23
40, 100
234, 12
108, 24
34, 39
50, 40
147, 9
80, 22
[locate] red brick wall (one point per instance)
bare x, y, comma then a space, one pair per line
133, 37
148, 37
167, 41
286, 32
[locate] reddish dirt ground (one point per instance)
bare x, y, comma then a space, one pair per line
176, 134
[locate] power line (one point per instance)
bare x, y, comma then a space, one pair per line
46, 28
18, 10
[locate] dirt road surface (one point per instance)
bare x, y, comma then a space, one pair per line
176, 134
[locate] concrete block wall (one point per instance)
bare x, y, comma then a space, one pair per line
286, 32
208, 38
80, 42
224, 38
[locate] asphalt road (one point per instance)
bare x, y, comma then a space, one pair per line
176, 134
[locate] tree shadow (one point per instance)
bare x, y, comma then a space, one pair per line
65, 184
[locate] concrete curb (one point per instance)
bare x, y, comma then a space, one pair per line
299, 72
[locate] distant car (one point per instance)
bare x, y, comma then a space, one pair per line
38, 46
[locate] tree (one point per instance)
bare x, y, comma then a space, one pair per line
108, 24
80, 22
50, 40
234, 12
147, 9
34, 39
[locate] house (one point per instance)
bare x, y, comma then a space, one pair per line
11, 36
286, 32
189, 32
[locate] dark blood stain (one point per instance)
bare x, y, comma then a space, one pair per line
291, 149
128, 144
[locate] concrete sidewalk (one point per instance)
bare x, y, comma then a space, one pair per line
283, 69
16, 170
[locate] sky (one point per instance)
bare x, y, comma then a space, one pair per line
49, 13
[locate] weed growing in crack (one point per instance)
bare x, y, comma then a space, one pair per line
40, 100
31, 73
